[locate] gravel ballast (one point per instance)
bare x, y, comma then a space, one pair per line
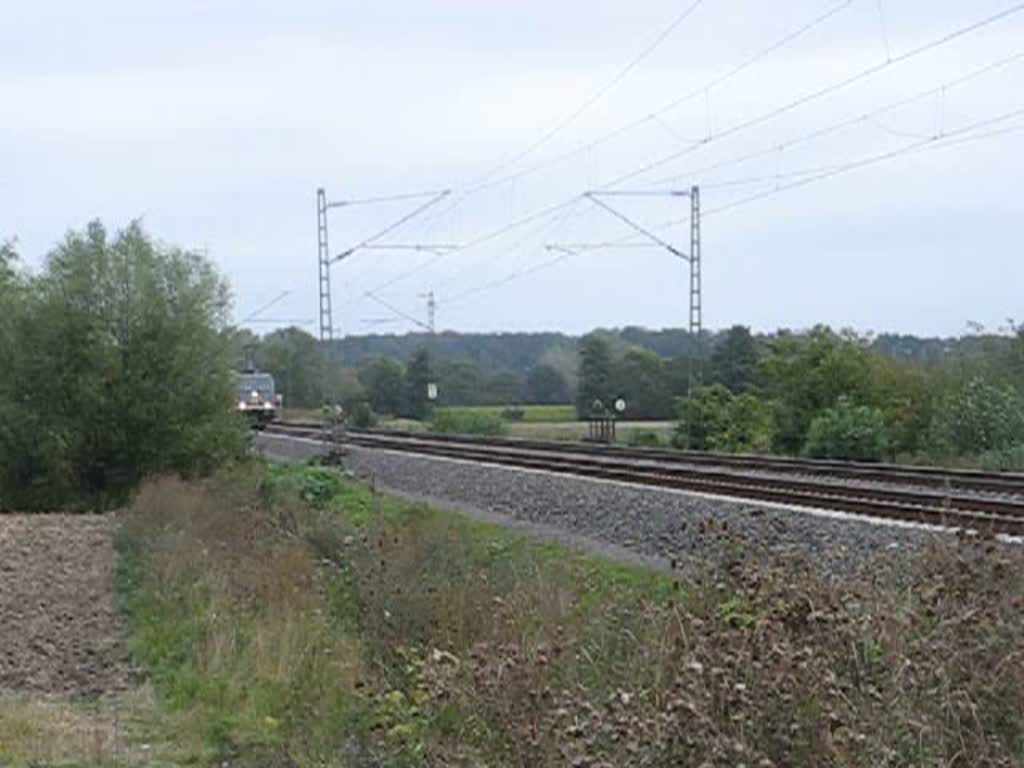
662, 524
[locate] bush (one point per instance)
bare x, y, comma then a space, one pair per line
468, 423
714, 419
979, 417
360, 415
644, 438
1005, 460
118, 365
848, 431
513, 413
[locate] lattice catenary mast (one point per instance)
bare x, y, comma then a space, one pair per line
325, 260
693, 257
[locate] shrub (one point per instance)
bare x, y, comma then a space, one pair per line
848, 431
714, 419
360, 415
644, 438
1004, 460
979, 417
513, 413
468, 423
118, 366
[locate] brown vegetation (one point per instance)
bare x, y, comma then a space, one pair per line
353, 629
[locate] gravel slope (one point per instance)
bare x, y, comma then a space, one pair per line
656, 523
60, 631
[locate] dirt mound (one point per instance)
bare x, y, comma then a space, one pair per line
60, 632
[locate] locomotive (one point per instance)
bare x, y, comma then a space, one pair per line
257, 399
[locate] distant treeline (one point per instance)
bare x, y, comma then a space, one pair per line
817, 392
520, 352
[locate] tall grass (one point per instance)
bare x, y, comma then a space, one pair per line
292, 615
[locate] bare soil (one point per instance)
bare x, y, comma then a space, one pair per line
60, 630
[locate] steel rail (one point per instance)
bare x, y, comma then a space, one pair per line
986, 515
927, 476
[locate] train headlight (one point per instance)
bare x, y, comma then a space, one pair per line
241, 405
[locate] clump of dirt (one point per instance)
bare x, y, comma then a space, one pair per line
60, 630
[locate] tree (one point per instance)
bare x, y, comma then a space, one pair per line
384, 380
297, 362
806, 374
546, 386
122, 368
595, 373
906, 393
849, 432
749, 426
501, 388
417, 377
642, 379
714, 419
461, 382
702, 417
564, 359
734, 360
978, 417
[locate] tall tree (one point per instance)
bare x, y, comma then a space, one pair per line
417, 377
124, 369
734, 360
642, 378
384, 380
805, 374
298, 365
595, 373
460, 382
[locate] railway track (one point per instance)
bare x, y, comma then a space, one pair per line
985, 502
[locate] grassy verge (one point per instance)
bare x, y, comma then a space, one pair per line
35, 731
537, 414
287, 615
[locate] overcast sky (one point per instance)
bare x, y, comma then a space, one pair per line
216, 121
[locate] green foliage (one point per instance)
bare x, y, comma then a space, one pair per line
305, 376
513, 413
805, 374
978, 417
545, 385
595, 374
1003, 460
461, 381
848, 431
714, 419
531, 414
117, 366
384, 380
906, 393
320, 486
468, 423
360, 415
641, 378
375, 631
643, 438
734, 359
417, 376
297, 363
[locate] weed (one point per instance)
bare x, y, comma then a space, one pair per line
404, 635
